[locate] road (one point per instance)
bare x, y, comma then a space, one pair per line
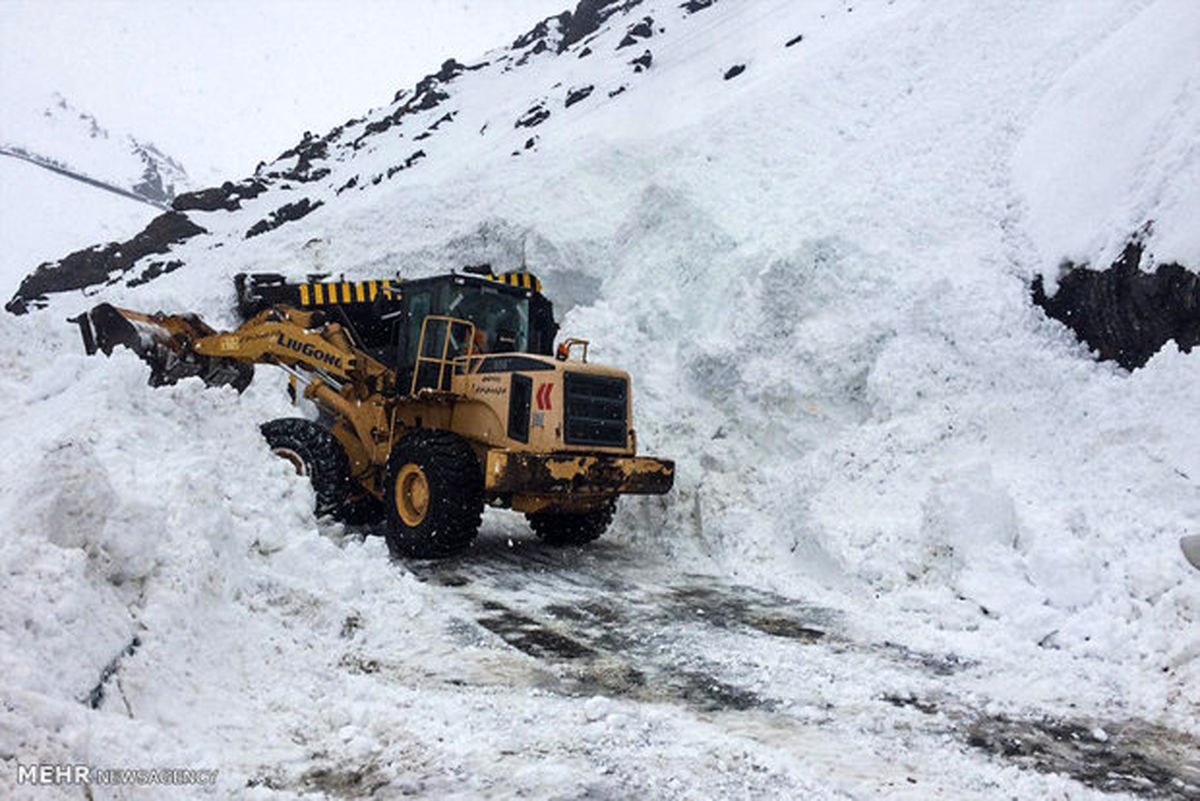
606, 622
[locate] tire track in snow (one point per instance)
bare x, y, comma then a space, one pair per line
609, 624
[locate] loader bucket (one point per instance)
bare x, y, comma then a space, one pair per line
162, 341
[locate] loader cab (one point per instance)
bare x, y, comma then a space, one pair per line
506, 320
509, 315
508, 311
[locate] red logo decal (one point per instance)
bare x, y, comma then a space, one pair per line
543, 395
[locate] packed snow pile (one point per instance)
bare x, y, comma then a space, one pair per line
808, 230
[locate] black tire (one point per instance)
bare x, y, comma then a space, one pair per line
434, 497
316, 452
572, 528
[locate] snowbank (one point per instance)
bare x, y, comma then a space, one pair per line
821, 288
1114, 147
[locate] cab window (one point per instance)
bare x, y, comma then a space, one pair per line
501, 320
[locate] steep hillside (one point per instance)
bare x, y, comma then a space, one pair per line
54, 135
811, 231
42, 213
68, 181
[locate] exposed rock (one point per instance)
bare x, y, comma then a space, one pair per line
794, 40
408, 162
309, 150
642, 62
534, 117
158, 174
575, 95
734, 71
227, 196
636, 32
1123, 313
284, 214
102, 264
588, 16
563, 30
428, 132
538, 34
426, 95
692, 6
154, 270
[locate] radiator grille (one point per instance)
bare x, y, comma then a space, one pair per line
595, 409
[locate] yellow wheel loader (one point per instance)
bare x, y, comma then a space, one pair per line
435, 396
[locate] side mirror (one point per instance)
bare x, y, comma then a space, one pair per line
1191, 549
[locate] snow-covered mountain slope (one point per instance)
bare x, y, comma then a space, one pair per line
53, 134
809, 231
42, 212
67, 182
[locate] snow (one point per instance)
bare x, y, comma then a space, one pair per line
222, 89
46, 215
1114, 146
817, 273
49, 129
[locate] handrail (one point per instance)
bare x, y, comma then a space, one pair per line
444, 360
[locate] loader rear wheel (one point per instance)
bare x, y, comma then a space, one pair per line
434, 496
315, 452
572, 528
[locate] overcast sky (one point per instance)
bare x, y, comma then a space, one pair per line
223, 84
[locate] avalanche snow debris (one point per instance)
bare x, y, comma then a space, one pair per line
821, 283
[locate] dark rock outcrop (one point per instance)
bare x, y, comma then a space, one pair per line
309, 149
575, 95
587, 18
1123, 313
408, 162
427, 94
284, 214
569, 26
533, 117
154, 270
102, 264
228, 196
642, 29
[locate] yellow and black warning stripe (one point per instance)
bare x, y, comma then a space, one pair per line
522, 279
332, 294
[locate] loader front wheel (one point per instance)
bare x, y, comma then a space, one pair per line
315, 452
434, 495
572, 528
